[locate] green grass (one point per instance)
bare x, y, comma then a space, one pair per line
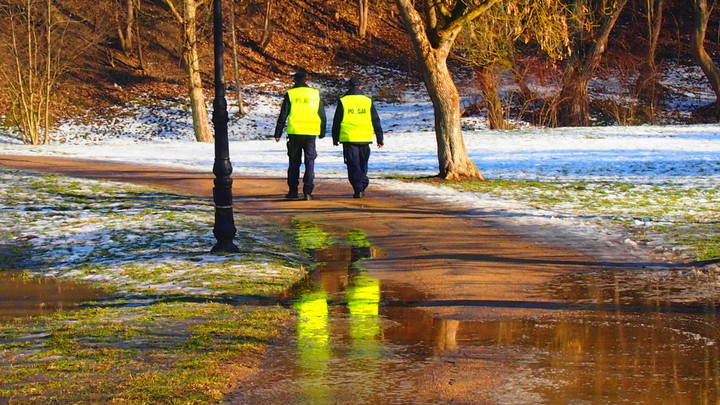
171, 329
162, 353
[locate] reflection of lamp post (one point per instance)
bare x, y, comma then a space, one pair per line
224, 229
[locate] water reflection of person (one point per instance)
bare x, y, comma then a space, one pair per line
313, 345
363, 301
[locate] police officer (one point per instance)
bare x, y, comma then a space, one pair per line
304, 111
354, 123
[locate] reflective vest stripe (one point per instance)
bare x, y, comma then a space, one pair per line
304, 118
356, 125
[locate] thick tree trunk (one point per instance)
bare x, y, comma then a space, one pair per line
488, 87
201, 124
573, 103
453, 160
702, 16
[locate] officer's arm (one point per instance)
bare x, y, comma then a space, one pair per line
376, 125
323, 118
284, 112
337, 119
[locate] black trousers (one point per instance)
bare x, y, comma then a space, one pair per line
299, 146
356, 157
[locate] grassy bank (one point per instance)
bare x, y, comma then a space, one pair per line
682, 218
169, 328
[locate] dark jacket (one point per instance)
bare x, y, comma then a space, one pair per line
340, 112
285, 112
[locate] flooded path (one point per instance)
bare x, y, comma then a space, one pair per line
457, 310
363, 341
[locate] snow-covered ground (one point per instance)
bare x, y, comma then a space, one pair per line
680, 156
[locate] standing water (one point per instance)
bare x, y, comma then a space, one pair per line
356, 343
23, 296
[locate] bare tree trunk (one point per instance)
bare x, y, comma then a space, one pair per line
647, 82
236, 70
29, 77
267, 28
125, 33
141, 57
453, 160
702, 15
47, 88
201, 124
488, 87
574, 103
363, 15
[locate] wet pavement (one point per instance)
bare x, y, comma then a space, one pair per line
361, 340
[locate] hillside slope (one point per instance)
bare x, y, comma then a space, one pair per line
309, 34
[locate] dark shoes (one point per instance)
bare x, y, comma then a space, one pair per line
359, 194
295, 196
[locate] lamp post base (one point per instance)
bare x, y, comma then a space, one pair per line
227, 247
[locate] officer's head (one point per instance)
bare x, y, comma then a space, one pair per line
300, 76
354, 82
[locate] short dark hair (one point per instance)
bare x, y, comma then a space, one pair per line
354, 82
300, 76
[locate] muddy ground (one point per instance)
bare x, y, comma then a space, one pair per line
447, 265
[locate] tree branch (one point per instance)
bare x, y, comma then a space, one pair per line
174, 11
455, 25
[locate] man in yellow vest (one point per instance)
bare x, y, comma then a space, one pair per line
304, 111
355, 122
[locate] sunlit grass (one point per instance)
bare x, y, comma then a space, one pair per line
686, 217
162, 353
171, 329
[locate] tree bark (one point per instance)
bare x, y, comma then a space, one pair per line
191, 60
267, 26
125, 33
138, 41
574, 103
488, 88
236, 70
647, 82
432, 52
201, 124
363, 15
706, 63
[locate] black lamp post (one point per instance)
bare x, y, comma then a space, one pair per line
224, 229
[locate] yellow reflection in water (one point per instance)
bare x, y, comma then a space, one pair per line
313, 344
363, 300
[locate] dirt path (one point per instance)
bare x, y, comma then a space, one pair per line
459, 268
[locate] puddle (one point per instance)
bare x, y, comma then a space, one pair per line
30, 296
621, 343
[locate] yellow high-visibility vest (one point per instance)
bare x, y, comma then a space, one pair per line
304, 105
356, 125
